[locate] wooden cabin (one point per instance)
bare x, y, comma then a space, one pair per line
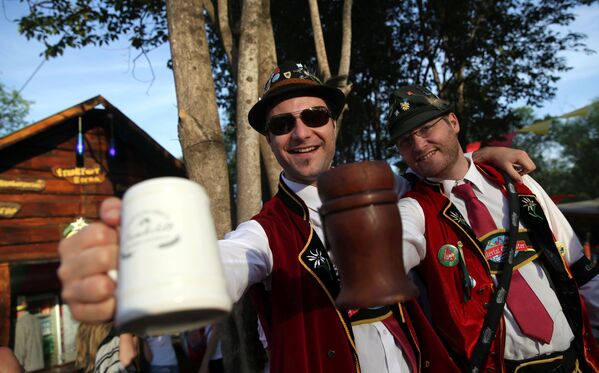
52, 173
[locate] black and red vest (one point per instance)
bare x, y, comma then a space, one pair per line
458, 319
306, 332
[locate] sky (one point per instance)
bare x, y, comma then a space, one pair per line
80, 74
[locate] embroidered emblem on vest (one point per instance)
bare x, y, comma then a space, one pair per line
448, 255
531, 207
318, 262
317, 259
457, 217
495, 249
453, 214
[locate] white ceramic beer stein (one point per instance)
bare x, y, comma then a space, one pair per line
170, 277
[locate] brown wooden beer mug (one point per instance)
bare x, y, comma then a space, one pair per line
363, 230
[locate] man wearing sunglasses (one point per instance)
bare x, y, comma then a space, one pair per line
457, 222
281, 251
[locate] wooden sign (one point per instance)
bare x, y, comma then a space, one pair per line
16, 184
9, 209
80, 175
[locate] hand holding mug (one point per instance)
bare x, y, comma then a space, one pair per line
170, 275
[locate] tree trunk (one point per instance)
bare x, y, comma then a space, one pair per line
226, 35
248, 149
345, 43
321, 51
460, 104
243, 321
199, 129
268, 62
345, 58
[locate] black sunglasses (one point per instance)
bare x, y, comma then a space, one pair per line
313, 117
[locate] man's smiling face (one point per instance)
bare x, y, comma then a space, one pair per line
305, 152
436, 152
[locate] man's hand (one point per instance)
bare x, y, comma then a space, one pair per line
513, 161
85, 259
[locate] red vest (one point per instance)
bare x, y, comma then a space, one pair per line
306, 331
459, 321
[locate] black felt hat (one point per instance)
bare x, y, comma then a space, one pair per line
412, 106
292, 79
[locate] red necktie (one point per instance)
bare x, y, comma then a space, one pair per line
527, 309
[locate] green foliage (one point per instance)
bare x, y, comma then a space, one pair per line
61, 24
375, 68
13, 110
568, 156
482, 55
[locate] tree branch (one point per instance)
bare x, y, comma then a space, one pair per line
227, 35
321, 52
346, 31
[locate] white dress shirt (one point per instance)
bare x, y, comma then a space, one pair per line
247, 259
517, 345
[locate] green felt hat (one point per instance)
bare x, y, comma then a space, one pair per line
412, 106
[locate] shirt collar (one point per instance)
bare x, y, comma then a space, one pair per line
473, 175
308, 193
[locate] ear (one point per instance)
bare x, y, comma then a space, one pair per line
453, 122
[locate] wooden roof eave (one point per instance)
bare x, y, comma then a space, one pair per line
78, 110
176, 162
51, 121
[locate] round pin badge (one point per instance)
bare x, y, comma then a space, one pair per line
448, 255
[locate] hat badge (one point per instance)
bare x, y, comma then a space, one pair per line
405, 105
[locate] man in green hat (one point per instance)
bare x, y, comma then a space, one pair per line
281, 249
457, 222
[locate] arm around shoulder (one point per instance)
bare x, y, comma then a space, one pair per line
515, 162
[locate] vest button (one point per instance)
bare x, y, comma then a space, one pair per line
331, 353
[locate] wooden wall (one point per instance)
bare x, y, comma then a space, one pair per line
36, 203
33, 232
